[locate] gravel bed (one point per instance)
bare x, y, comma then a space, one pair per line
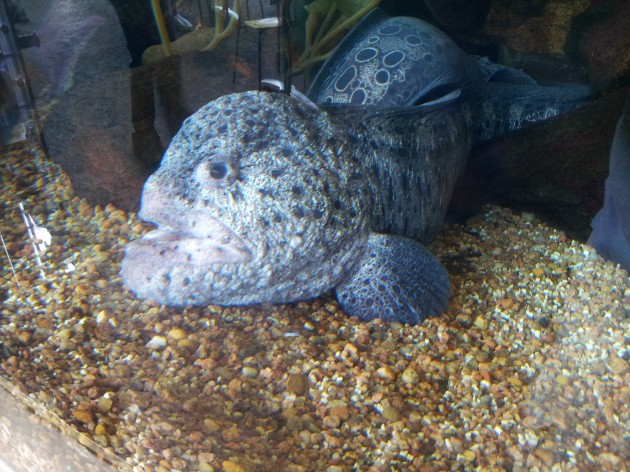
528, 369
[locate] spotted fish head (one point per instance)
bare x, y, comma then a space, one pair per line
257, 199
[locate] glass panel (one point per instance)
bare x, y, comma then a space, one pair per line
525, 368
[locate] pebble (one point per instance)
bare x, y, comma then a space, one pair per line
100, 430
481, 322
332, 421
229, 466
104, 404
176, 334
515, 381
610, 458
530, 421
562, 380
205, 467
410, 376
211, 426
538, 271
43, 288
83, 414
464, 319
101, 284
24, 336
507, 303
390, 413
64, 334
186, 345
85, 440
618, 366
386, 374
528, 216
531, 439
81, 290
350, 351
296, 384
99, 257
341, 411
546, 457
250, 372
156, 342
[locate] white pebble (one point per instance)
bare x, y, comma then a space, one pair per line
157, 342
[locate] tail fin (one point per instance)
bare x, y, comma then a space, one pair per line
499, 108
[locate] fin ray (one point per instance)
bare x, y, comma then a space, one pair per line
398, 279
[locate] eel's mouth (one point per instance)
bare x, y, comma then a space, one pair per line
220, 245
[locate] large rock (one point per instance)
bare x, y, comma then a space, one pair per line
604, 46
108, 125
109, 134
535, 27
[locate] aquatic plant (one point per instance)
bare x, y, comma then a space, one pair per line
327, 22
221, 29
161, 26
225, 23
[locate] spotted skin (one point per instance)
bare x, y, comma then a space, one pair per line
382, 287
389, 62
288, 217
262, 198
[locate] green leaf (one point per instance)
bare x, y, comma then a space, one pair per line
350, 7
347, 8
321, 7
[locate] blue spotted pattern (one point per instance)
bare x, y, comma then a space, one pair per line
387, 59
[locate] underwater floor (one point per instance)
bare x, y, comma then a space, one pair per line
528, 370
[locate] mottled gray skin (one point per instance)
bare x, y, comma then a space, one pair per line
260, 198
290, 213
411, 158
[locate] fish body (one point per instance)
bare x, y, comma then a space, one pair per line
611, 226
391, 62
261, 198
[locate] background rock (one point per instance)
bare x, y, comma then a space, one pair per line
107, 124
604, 46
533, 26
555, 168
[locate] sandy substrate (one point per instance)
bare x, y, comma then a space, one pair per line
528, 369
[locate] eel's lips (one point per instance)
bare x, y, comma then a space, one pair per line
181, 247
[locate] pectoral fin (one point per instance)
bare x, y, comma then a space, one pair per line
397, 279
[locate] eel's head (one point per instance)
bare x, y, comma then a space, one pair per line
257, 199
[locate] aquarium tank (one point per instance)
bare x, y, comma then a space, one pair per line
314, 235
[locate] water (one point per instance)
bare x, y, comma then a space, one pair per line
528, 366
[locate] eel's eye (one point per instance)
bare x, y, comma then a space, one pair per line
219, 170
216, 175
